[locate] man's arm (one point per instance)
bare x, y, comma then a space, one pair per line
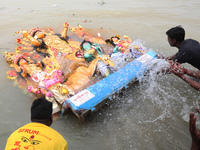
180, 71
191, 82
170, 57
195, 74
195, 135
167, 58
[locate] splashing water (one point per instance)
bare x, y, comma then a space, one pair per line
155, 68
154, 90
157, 86
120, 60
136, 49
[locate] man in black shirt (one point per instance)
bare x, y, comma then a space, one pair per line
188, 52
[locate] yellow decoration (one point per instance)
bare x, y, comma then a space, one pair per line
64, 91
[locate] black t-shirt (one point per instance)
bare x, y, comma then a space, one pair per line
189, 52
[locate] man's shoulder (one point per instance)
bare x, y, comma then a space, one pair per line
189, 44
190, 41
40, 132
56, 133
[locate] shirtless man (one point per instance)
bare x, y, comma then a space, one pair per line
193, 131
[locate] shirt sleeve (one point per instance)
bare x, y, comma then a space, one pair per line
66, 147
182, 56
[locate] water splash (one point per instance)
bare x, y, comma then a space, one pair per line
155, 68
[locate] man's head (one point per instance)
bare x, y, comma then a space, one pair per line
41, 111
175, 35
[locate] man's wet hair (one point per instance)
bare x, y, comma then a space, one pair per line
177, 33
41, 109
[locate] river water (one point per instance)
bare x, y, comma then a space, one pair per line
150, 115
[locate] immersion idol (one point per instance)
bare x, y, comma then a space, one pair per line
63, 66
